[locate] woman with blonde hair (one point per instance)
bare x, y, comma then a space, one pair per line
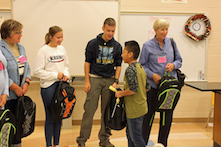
51, 66
157, 56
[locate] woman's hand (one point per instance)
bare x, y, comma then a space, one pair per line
169, 67
19, 92
17, 89
65, 78
156, 78
3, 99
25, 87
60, 75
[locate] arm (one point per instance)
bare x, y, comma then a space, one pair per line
117, 75
118, 61
144, 61
87, 85
17, 89
66, 70
39, 68
5, 93
178, 59
126, 92
3, 99
25, 85
131, 76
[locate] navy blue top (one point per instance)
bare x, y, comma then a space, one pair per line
103, 56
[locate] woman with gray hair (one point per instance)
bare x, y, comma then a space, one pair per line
19, 72
156, 57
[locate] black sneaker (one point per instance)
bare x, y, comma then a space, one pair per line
81, 145
106, 144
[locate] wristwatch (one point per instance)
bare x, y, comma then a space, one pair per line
116, 81
27, 82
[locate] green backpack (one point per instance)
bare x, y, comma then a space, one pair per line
168, 93
8, 129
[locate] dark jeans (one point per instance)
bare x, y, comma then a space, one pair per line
165, 119
134, 132
52, 128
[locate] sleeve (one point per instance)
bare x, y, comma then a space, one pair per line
39, 68
144, 61
147, 85
28, 69
118, 58
178, 59
10, 82
5, 90
131, 76
66, 69
89, 52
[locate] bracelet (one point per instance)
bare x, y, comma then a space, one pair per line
27, 82
116, 81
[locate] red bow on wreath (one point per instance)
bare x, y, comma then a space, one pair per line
193, 36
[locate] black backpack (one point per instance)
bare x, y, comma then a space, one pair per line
115, 116
8, 129
63, 102
25, 116
168, 93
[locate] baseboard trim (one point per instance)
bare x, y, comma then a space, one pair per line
156, 120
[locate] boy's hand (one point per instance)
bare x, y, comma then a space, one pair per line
114, 85
87, 87
117, 94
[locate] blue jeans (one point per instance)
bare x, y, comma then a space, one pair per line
134, 132
52, 128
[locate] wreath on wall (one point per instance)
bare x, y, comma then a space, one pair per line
191, 34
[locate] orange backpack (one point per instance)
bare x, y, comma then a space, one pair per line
63, 102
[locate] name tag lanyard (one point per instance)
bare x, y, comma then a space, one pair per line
161, 57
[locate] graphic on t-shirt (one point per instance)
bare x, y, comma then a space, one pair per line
57, 58
105, 55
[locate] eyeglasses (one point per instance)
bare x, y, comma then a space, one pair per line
19, 33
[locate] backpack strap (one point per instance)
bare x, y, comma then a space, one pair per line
166, 73
172, 43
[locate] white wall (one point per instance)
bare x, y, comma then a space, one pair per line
193, 104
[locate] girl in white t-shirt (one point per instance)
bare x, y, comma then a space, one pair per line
51, 66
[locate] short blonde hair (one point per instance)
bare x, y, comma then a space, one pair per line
161, 23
